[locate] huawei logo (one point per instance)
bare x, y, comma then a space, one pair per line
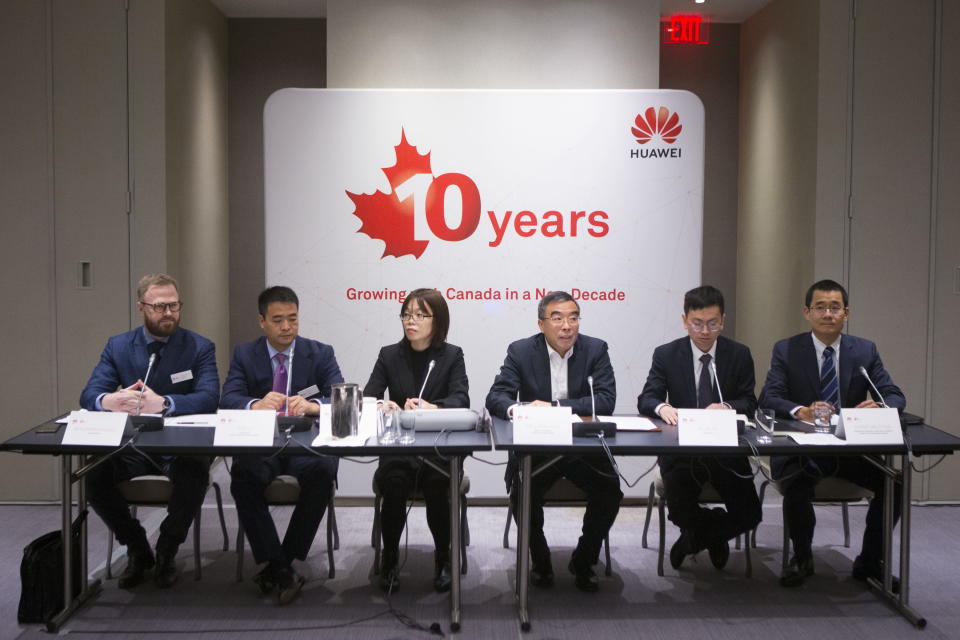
657, 122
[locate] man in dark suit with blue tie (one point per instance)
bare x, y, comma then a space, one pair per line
684, 375
552, 367
182, 379
822, 368
260, 374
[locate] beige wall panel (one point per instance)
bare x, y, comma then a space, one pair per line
90, 184
196, 167
944, 481
712, 72
26, 251
778, 170
891, 164
265, 55
148, 218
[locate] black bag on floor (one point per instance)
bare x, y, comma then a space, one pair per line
41, 574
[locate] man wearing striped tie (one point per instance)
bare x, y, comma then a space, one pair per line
822, 368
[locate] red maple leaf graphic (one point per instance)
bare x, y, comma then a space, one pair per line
384, 216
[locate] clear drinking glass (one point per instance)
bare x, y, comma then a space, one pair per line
385, 431
822, 413
407, 436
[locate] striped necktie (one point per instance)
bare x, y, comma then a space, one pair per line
829, 382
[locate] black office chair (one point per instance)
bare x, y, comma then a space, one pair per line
155, 491
829, 490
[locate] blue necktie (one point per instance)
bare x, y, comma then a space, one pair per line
829, 383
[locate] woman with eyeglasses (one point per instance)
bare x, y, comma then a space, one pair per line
402, 368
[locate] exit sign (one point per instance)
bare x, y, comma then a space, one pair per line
685, 29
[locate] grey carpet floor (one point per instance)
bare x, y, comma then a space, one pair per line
694, 602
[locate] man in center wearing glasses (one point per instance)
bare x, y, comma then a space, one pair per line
552, 367
684, 375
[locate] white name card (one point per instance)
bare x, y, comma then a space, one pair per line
103, 428
542, 425
244, 428
870, 426
707, 427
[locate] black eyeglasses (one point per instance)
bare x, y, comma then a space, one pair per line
161, 307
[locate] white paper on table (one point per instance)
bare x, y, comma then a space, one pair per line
630, 423
245, 428
103, 428
707, 427
815, 438
325, 432
193, 420
870, 426
327, 440
542, 425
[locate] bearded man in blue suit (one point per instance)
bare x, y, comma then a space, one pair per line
182, 379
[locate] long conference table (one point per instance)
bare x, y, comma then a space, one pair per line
924, 439
195, 440
891, 459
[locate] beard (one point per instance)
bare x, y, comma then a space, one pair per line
162, 328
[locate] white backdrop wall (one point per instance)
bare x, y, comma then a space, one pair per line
537, 44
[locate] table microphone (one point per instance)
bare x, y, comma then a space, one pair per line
153, 356
425, 378
872, 386
146, 423
716, 380
286, 397
594, 427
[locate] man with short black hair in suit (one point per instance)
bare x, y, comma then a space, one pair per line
823, 368
548, 368
682, 377
258, 379
182, 380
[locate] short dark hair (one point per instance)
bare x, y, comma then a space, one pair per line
826, 285
432, 301
275, 294
701, 298
550, 298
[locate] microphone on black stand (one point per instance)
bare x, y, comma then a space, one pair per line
287, 423
153, 357
863, 371
425, 378
146, 423
716, 380
594, 427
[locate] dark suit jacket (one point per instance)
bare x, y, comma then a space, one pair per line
527, 369
446, 386
671, 378
124, 361
794, 378
251, 375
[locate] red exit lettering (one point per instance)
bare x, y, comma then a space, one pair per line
685, 29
